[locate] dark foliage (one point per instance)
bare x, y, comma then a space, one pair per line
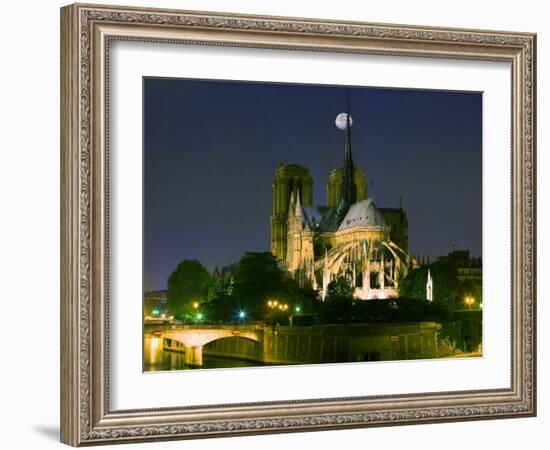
257, 279
338, 306
342, 310
447, 287
187, 284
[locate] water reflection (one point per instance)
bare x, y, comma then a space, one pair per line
156, 359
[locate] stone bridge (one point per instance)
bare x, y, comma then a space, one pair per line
193, 339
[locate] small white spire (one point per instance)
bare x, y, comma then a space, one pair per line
298, 206
429, 287
291, 203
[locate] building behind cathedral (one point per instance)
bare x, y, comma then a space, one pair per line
348, 236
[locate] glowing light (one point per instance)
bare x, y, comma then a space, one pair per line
242, 314
469, 300
200, 316
196, 305
155, 312
297, 309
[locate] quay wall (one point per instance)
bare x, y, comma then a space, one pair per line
329, 343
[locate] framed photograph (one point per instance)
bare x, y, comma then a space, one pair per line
274, 224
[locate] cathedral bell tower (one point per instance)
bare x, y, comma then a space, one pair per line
335, 183
289, 178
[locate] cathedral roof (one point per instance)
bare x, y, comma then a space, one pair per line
360, 214
319, 218
311, 216
363, 214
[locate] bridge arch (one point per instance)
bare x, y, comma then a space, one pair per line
194, 339
239, 347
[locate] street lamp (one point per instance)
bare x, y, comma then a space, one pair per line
196, 305
242, 315
274, 304
469, 300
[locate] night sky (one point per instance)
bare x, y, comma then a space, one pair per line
211, 149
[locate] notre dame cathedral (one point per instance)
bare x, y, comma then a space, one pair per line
349, 236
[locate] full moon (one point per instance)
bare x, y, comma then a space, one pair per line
342, 121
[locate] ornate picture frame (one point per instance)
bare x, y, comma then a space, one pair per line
86, 34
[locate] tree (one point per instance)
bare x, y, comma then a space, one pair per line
340, 287
376, 311
220, 304
338, 306
457, 258
414, 284
257, 279
220, 288
446, 286
187, 284
303, 296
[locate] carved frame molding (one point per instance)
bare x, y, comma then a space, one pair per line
86, 32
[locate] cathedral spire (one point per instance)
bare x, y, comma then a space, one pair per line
297, 205
349, 190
